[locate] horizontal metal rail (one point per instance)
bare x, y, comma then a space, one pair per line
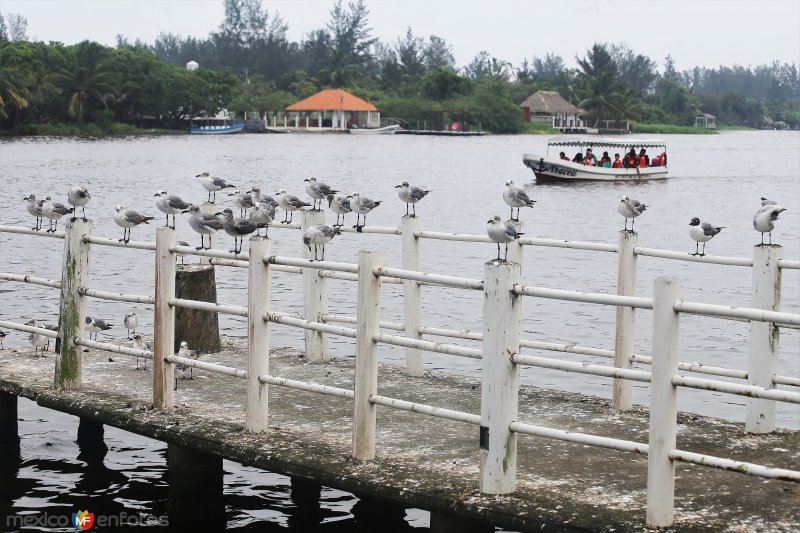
582, 368
735, 466
432, 279
307, 387
288, 320
462, 237
219, 254
788, 265
29, 329
208, 306
586, 297
751, 391
114, 348
786, 380
202, 365
235, 263
33, 280
430, 346
575, 245
28, 231
281, 225
698, 368
580, 438
347, 276
345, 319
685, 256
373, 229
453, 333
317, 265
425, 409
725, 311
136, 245
117, 297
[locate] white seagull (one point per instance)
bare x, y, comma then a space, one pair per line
261, 215
289, 203
185, 352
702, 232
516, 197
339, 205
37, 340
236, 228
128, 218
243, 201
204, 224
411, 195
630, 209
169, 204
141, 344
764, 219
362, 205
54, 211
78, 196
318, 191
35, 209
212, 185
502, 232
131, 322
96, 325
319, 235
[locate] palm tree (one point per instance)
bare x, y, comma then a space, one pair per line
88, 79
340, 70
599, 86
12, 84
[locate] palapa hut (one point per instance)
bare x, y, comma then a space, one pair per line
549, 106
335, 109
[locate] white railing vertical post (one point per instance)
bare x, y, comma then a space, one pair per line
257, 410
515, 248
72, 305
315, 294
502, 312
164, 326
764, 337
366, 379
663, 404
412, 294
623, 340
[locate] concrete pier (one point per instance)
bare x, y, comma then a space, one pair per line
425, 462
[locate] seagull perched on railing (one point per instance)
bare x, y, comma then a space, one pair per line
35, 209
411, 195
502, 232
204, 224
318, 191
262, 198
131, 322
516, 197
362, 205
212, 185
702, 232
236, 228
141, 344
339, 205
128, 218
185, 352
169, 204
54, 211
630, 209
289, 203
764, 219
320, 235
243, 201
261, 215
96, 325
37, 340
78, 196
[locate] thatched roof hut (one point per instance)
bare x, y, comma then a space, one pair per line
549, 103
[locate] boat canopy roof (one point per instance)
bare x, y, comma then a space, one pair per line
609, 142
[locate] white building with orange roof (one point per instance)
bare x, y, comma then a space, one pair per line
334, 109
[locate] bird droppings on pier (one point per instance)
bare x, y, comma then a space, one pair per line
427, 462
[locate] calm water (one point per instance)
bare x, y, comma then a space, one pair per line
718, 178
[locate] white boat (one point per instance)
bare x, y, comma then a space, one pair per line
215, 125
551, 167
385, 130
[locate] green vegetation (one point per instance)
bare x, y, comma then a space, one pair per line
668, 128
249, 65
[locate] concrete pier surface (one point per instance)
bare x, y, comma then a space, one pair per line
429, 462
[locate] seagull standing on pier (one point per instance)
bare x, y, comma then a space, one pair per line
262, 215
243, 201
54, 211
96, 325
764, 219
236, 228
320, 235
131, 322
502, 232
411, 195
630, 209
169, 204
702, 232
212, 185
37, 340
141, 344
339, 205
516, 197
318, 191
128, 218
204, 224
78, 196
2, 338
35, 209
289, 203
185, 352
362, 205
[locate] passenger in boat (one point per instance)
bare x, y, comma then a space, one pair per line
578, 158
605, 161
631, 159
644, 159
617, 162
590, 159
563, 156
660, 160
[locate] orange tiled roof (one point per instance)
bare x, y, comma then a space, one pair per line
332, 99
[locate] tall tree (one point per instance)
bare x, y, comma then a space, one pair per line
598, 82
13, 91
637, 70
437, 53
350, 32
409, 54
88, 79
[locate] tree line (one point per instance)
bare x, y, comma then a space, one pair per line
250, 65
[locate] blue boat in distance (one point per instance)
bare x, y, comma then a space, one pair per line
215, 125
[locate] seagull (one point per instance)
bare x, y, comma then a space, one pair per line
243, 201
764, 218
361, 205
131, 321
169, 204
54, 211
318, 191
502, 232
320, 235
516, 197
96, 325
128, 218
78, 196
185, 352
767, 201
2, 338
37, 340
289, 203
51, 328
630, 209
212, 185
141, 344
702, 232
262, 198
35, 209
339, 205
411, 195
236, 228
182, 243
204, 224
261, 215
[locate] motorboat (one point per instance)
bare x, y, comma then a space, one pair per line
385, 130
551, 167
215, 125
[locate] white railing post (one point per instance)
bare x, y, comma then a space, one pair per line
164, 327
257, 410
366, 379
502, 312
764, 337
623, 340
315, 294
663, 404
412, 294
72, 305
515, 248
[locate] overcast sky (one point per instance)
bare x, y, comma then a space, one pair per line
706, 33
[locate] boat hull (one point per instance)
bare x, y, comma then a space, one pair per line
549, 169
217, 130
386, 130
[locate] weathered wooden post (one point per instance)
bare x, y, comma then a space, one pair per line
366, 379
514, 247
663, 404
315, 295
257, 410
412, 294
164, 327
200, 329
72, 305
764, 336
502, 322
622, 398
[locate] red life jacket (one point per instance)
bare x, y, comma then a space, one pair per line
588, 160
617, 163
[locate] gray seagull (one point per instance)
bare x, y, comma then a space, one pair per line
362, 205
236, 228
319, 235
169, 204
204, 224
261, 215
630, 209
502, 232
54, 211
289, 203
212, 185
78, 196
411, 195
243, 201
339, 205
318, 191
96, 325
141, 344
35, 209
702, 232
764, 219
516, 197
